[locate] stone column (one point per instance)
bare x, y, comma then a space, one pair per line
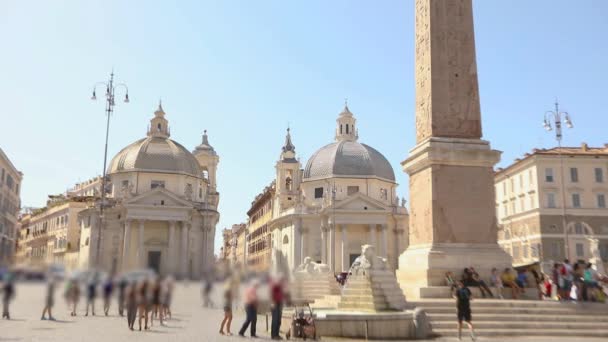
297, 241
203, 255
323, 244
303, 244
125, 247
384, 240
171, 249
372, 236
345, 261
332, 247
141, 253
183, 260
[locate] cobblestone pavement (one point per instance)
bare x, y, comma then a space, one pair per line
191, 322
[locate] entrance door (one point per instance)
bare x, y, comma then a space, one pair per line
154, 261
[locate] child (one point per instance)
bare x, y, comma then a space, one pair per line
463, 298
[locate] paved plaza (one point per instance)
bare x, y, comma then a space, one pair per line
191, 322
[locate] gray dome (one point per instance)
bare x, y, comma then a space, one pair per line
155, 154
348, 158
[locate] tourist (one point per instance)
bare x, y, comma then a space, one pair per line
156, 302
451, 282
72, 294
538, 280
496, 282
508, 280
91, 294
577, 290
167, 296
568, 277
463, 298
558, 280
122, 287
143, 303
8, 292
522, 279
131, 303
471, 278
49, 300
227, 297
251, 310
590, 282
548, 287
206, 291
277, 296
108, 288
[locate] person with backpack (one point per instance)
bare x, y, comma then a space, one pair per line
463, 297
108, 288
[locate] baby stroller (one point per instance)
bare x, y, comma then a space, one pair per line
302, 323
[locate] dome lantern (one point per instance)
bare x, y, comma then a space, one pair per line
345, 128
159, 126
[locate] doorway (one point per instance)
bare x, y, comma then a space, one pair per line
154, 261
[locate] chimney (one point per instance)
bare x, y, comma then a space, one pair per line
584, 147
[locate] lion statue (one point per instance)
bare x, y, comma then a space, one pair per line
368, 261
311, 267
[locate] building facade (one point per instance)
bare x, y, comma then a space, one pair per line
258, 232
551, 205
51, 235
162, 208
344, 198
10, 204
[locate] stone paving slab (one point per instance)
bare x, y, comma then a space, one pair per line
191, 322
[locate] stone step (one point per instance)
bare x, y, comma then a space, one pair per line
513, 311
477, 317
512, 303
525, 332
479, 325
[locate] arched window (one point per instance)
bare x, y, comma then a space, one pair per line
288, 184
346, 128
340, 129
578, 228
285, 240
159, 127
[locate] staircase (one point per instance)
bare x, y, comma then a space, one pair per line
493, 317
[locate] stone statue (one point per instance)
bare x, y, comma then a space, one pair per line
396, 201
368, 261
310, 267
596, 258
403, 201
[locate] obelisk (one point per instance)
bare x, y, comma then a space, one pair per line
452, 206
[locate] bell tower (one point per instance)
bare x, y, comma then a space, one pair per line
345, 125
159, 126
287, 174
208, 160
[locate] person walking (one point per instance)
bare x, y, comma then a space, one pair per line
277, 295
73, 295
143, 303
227, 297
131, 303
108, 288
251, 309
122, 288
91, 294
49, 300
156, 301
167, 297
8, 292
463, 298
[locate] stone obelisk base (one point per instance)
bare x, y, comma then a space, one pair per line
422, 270
453, 219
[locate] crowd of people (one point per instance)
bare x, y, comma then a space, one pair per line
578, 281
144, 297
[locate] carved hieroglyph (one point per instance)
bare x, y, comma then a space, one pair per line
447, 93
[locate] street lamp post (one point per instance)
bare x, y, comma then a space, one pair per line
110, 93
556, 115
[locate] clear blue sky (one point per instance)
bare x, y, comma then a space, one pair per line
244, 69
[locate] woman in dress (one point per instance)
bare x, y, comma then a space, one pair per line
227, 297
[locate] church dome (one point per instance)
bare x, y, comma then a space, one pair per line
348, 159
156, 153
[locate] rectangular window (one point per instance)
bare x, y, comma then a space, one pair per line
530, 179
157, 184
579, 250
551, 200
522, 204
525, 249
549, 175
601, 201
576, 200
521, 182
318, 192
351, 190
599, 175
604, 252
504, 188
516, 252
573, 175
555, 250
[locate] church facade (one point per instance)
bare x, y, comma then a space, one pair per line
344, 198
161, 210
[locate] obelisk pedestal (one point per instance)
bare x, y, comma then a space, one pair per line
452, 205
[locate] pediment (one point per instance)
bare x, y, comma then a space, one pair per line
158, 197
360, 201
